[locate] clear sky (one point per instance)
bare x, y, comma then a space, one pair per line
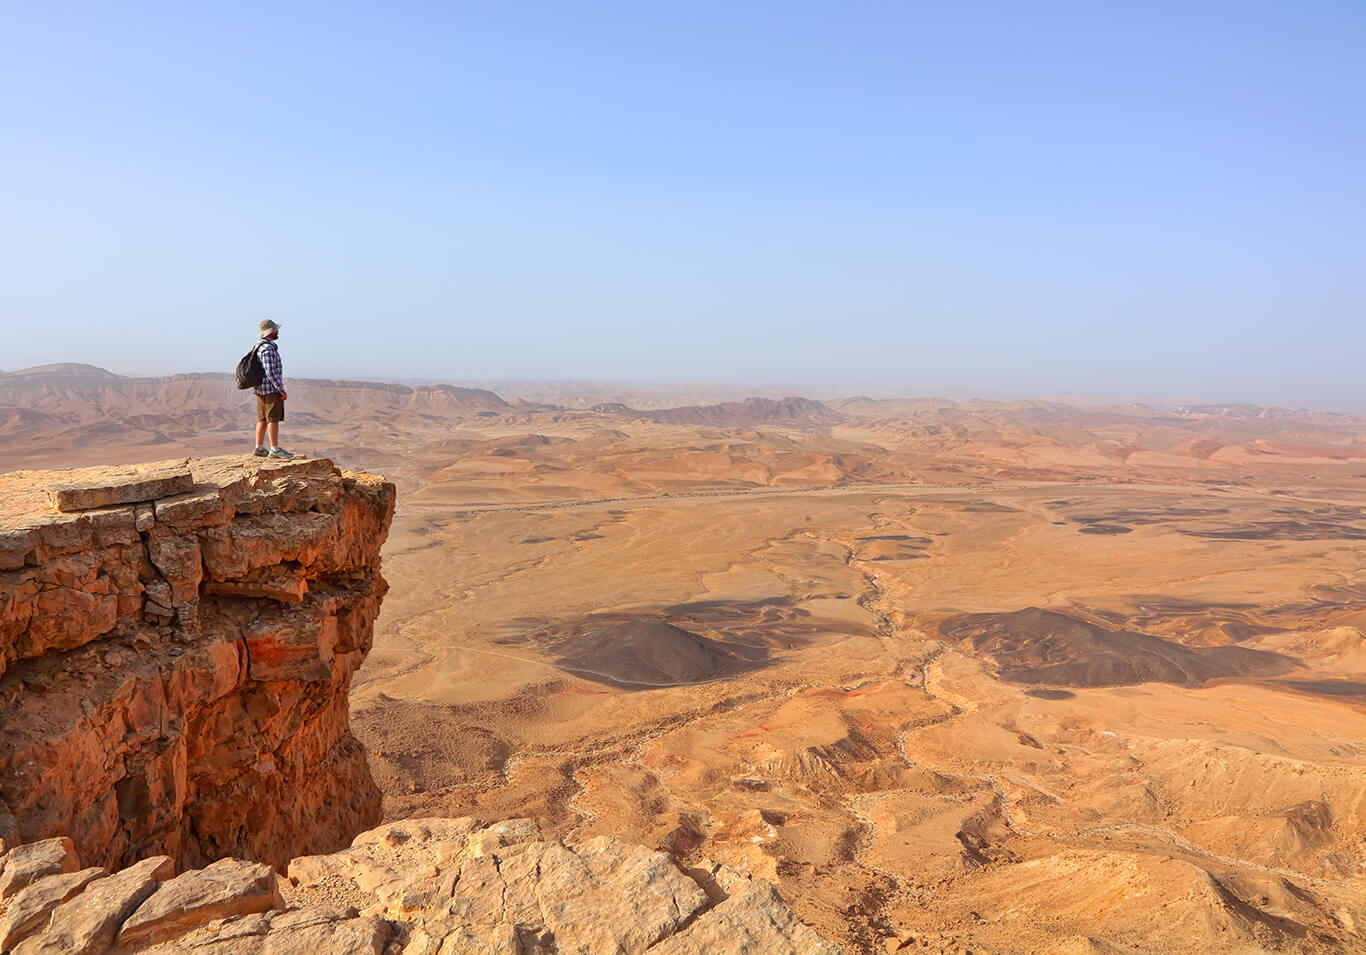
1147, 199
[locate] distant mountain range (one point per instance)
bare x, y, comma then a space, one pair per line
747, 413
85, 393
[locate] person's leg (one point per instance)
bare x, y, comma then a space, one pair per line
260, 434
275, 413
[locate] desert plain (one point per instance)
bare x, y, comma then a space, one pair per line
998, 677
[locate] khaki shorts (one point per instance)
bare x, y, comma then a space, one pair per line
270, 408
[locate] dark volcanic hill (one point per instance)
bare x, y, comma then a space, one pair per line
1043, 647
636, 654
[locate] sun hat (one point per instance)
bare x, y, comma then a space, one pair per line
267, 326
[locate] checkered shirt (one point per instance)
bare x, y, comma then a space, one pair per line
273, 381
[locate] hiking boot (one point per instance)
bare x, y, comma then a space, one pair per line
279, 453
260, 452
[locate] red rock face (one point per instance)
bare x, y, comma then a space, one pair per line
174, 673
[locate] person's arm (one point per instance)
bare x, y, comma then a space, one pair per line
272, 370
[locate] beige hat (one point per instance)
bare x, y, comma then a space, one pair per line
267, 326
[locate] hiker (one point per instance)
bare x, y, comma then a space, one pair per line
270, 393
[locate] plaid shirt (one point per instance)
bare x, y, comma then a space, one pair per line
273, 381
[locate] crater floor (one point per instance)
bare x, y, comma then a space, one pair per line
973, 710
1007, 678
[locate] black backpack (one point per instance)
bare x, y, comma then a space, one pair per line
249, 370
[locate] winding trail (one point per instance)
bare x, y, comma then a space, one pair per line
919, 489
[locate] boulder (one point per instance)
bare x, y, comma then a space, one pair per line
87, 923
24, 865
755, 919
604, 895
30, 908
309, 930
363, 935
225, 889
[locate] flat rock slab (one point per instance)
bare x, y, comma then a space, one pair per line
31, 907
26, 496
753, 920
285, 587
311, 930
225, 889
26, 864
86, 924
120, 486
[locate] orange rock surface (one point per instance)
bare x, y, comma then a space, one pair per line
153, 697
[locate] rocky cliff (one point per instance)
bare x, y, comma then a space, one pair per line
176, 647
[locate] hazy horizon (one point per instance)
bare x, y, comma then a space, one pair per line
695, 391
1160, 204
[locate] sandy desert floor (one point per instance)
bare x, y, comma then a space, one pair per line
998, 678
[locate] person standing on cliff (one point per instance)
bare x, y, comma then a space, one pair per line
270, 393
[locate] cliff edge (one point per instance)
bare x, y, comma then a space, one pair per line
176, 648
177, 643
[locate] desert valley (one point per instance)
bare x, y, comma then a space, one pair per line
995, 677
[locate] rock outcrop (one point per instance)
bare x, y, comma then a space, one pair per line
174, 671
419, 887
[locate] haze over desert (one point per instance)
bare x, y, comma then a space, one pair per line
1006, 677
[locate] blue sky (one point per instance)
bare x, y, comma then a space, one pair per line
1151, 200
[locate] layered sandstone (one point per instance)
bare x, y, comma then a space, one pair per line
420, 887
174, 671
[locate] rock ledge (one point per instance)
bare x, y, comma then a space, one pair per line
174, 671
418, 887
